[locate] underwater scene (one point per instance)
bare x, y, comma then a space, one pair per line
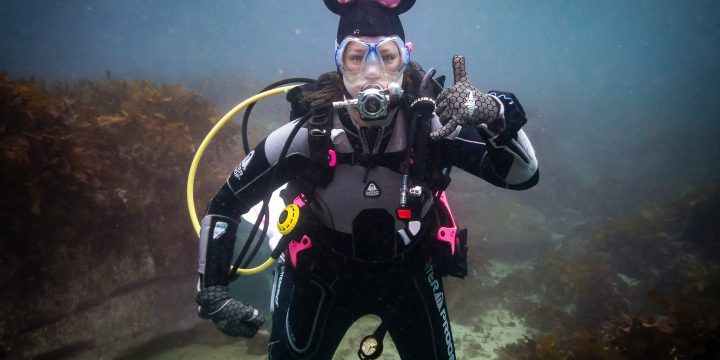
614, 254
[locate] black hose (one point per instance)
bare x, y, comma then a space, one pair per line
246, 116
264, 212
265, 215
241, 262
405, 167
420, 147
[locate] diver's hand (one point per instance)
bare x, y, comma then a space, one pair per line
463, 104
231, 316
424, 104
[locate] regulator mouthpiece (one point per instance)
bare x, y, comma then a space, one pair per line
373, 103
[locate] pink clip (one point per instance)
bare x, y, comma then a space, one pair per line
333, 157
296, 247
447, 234
299, 200
409, 45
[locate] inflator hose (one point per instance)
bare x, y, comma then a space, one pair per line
264, 213
420, 147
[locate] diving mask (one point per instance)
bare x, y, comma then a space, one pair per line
364, 62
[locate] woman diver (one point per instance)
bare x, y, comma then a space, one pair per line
374, 234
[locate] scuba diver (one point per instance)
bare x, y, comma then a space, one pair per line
367, 222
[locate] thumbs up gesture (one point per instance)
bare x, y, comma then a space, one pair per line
463, 104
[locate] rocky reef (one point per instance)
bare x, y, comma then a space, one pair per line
96, 251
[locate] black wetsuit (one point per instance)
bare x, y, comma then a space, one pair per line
358, 264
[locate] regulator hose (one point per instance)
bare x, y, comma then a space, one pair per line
201, 150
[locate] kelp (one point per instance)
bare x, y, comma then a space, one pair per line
647, 287
92, 193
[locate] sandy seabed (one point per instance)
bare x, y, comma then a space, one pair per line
479, 338
470, 344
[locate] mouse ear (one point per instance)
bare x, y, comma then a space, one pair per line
339, 7
404, 6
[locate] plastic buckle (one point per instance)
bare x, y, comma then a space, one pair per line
317, 132
361, 159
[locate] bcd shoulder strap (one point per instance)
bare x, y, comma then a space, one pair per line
322, 149
319, 126
297, 96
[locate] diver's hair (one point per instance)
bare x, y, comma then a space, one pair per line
412, 77
330, 87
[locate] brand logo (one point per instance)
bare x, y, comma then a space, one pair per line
372, 190
240, 169
470, 102
440, 304
219, 229
278, 285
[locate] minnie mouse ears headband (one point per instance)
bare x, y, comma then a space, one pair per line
369, 17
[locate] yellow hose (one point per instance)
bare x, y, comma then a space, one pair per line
199, 154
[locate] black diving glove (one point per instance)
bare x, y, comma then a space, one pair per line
231, 316
463, 104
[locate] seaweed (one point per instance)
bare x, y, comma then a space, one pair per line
644, 287
92, 194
